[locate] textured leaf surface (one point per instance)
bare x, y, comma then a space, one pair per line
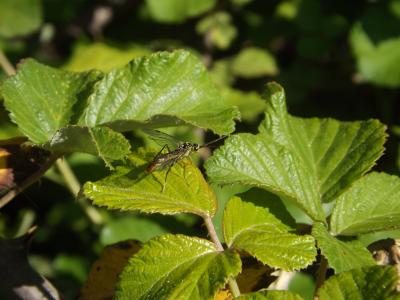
305, 160
270, 295
364, 283
335, 153
19, 17
102, 57
100, 141
185, 189
371, 204
177, 267
41, 99
342, 256
257, 160
177, 11
376, 63
258, 232
175, 85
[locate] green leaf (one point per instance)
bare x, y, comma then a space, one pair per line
250, 104
19, 17
102, 57
255, 230
177, 11
342, 256
177, 267
174, 85
377, 64
270, 295
364, 283
41, 99
335, 153
218, 28
254, 62
100, 141
371, 204
129, 188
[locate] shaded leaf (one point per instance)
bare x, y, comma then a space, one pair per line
254, 62
364, 283
376, 63
174, 85
172, 266
342, 256
371, 204
104, 273
100, 141
129, 188
19, 17
177, 11
256, 231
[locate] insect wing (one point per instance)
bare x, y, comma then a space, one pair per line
162, 138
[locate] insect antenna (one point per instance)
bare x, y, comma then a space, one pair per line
213, 141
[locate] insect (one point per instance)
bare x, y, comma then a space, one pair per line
168, 159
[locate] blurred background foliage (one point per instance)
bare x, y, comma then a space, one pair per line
337, 59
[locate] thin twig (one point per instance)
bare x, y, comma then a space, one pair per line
6, 65
233, 286
31, 179
74, 187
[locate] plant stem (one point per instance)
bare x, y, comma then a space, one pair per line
233, 286
321, 275
31, 179
74, 187
6, 65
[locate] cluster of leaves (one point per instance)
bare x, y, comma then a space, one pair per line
318, 170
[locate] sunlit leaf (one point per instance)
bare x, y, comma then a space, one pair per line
371, 204
129, 188
256, 231
175, 85
19, 17
342, 255
177, 266
364, 283
102, 57
270, 295
41, 99
177, 11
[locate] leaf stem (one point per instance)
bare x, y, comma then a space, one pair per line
74, 187
320, 274
30, 180
6, 65
233, 286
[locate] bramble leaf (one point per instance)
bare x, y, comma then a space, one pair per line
255, 230
41, 99
342, 256
129, 188
308, 161
270, 295
371, 204
173, 85
177, 267
363, 283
